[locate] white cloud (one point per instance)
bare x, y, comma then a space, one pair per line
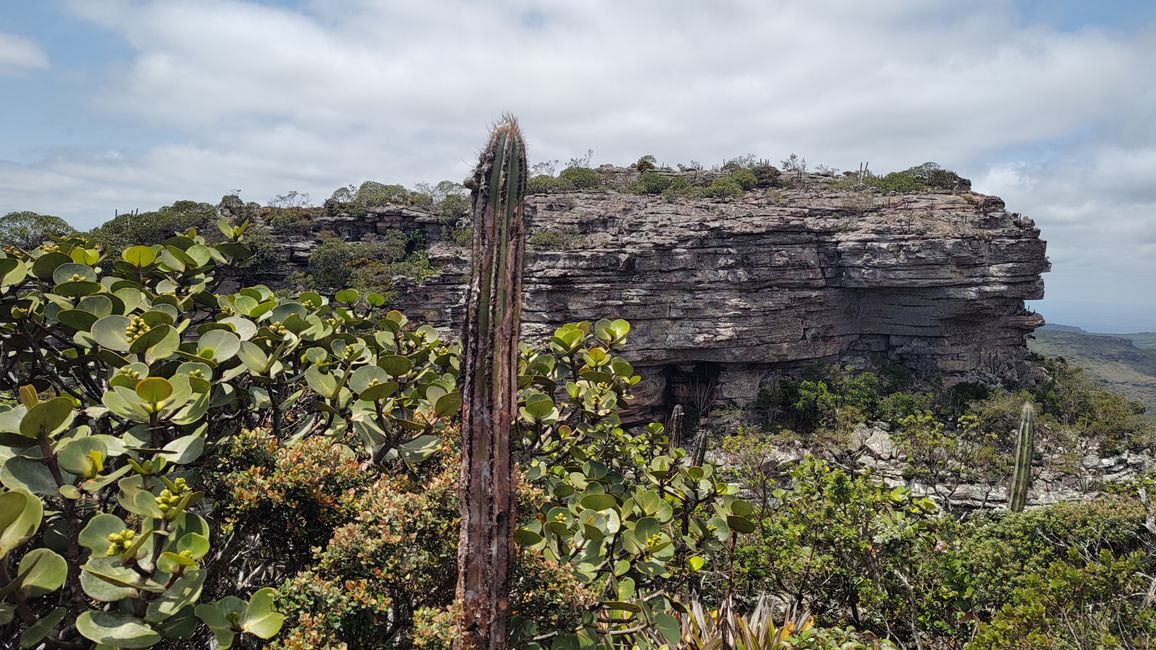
270, 99
19, 54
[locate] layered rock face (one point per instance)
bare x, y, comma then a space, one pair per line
722, 294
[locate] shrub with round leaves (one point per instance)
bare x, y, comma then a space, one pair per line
125, 376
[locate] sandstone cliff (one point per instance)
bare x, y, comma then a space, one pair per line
722, 293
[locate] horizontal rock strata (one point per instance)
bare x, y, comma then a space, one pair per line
722, 292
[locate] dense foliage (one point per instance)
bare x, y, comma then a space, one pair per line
180, 463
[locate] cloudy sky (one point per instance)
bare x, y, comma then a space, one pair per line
121, 104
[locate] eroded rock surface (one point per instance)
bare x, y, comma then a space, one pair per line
724, 291
721, 293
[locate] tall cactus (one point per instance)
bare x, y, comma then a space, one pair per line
1025, 449
488, 383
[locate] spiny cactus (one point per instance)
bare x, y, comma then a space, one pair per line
676, 427
488, 384
699, 456
1025, 449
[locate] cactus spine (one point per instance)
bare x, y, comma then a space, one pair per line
1025, 449
488, 384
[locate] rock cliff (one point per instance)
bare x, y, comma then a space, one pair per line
722, 293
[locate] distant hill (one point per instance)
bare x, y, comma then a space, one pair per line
1125, 363
1146, 340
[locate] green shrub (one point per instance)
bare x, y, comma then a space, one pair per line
27, 230
839, 545
1079, 602
896, 182
293, 222
766, 175
1112, 421
150, 228
650, 182
371, 194
723, 188
554, 240
744, 178
580, 178
1003, 551
542, 184
212, 443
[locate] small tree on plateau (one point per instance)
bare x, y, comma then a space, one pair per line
488, 383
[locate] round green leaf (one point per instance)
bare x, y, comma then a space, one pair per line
47, 418
20, 516
109, 332
73, 272
139, 256
41, 572
116, 629
154, 390
224, 345
261, 620
599, 501
395, 364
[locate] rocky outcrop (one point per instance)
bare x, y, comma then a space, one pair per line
1056, 477
721, 293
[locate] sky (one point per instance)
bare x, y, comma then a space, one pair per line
1049, 104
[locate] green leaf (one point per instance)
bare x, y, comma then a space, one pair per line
669, 628
41, 572
526, 537
261, 620
20, 516
347, 296
366, 377
253, 357
741, 524
419, 449
185, 449
599, 501
395, 364
12, 272
109, 332
323, 384
30, 474
219, 617
449, 404
139, 256
35, 633
73, 272
158, 344
83, 456
154, 390
184, 592
46, 264
196, 544
94, 535
222, 344
116, 629
47, 418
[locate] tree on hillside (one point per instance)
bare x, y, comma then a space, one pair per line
26, 229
